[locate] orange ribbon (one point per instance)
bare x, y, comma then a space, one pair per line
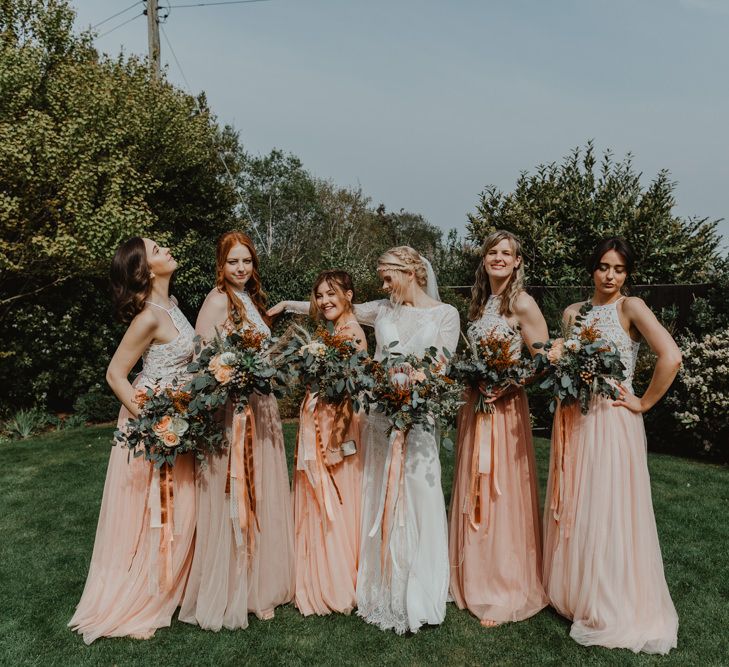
240, 483
161, 503
561, 469
484, 469
393, 493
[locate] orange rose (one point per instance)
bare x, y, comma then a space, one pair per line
162, 425
214, 364
554, 354
224, 374
170, 439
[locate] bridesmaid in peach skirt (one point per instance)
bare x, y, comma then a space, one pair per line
602, 560
134, 583
495, 541
234, 572
327, 484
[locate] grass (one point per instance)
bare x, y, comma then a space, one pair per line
50, 491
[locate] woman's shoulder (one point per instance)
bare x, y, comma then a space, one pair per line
524, 302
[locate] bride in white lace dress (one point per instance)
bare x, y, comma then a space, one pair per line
412, 587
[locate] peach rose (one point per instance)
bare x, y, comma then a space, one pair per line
554, 354
224, 374
162, 425
419, 376
214, 364
170, 439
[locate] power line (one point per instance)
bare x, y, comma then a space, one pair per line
210, 4
220, 154
113, 16
103, 34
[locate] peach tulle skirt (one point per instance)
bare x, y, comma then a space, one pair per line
128, 592
602, 560
228, 581
327, 508
495, 542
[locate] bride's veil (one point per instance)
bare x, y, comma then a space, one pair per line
431, 289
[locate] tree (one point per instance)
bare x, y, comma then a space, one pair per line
562, 210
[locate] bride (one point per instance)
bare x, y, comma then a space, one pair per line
405, 584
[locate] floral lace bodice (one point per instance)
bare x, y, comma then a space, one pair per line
255, 320
164, 363
607, 321
415, 329
491, 320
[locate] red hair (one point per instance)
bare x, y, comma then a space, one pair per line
236, 309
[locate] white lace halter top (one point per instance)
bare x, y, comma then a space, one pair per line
166, 363
492, 320
255, 321
607, 321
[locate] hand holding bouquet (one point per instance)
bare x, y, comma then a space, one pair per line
490, 364
580, 367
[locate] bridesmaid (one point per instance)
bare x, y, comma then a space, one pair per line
495, 541
602, 561
327, 480
236, 571
129, 592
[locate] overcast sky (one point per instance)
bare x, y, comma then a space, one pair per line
424, 102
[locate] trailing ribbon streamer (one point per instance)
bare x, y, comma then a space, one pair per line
161, 503
561, 469
240, 483
484, 469
393, 492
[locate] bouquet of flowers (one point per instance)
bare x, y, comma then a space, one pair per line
233, 366
415, 391
165, 427
489, 364
580, 367
328, 363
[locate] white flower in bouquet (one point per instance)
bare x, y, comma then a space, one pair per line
573, 345
227, 358
179, 426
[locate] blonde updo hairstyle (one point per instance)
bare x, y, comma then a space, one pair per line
481, 289
403, 259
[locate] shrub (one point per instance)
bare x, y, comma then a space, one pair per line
25, 423
97, 405
700, 397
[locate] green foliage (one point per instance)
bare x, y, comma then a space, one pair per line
25, 423
711, 313
97, 405
561, 211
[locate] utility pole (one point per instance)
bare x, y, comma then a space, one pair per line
153, 37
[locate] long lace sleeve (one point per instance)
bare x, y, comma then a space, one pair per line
450, 330
298, 307
366, 313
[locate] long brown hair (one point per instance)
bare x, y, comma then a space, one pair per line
481, 289
131, 279
336, 279
236, 310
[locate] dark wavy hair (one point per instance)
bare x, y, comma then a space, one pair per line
236, 310
131, 279
620, 246
338, 280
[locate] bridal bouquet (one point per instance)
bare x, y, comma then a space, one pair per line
233, 366
328, 363
489, 364
165, 427
580, 367
415, 391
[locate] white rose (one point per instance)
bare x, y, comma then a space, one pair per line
179, 426
572, 344
227, 358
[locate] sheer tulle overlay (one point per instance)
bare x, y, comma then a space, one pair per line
118, 600
327, 501
495, 548
227, 581
602, 560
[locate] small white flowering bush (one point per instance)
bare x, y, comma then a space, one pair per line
700, 396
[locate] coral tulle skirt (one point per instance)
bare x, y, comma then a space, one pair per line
494, 525
327, 490
137, 575
602, 560
251, 569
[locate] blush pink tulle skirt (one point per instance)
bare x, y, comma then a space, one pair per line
602, 560
495, 541
327, 507
127, 594
228, 580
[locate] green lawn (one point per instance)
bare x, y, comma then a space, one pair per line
50, 490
